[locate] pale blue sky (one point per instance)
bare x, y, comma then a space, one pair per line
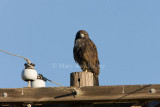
126, 33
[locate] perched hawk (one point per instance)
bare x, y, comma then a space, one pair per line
85, 54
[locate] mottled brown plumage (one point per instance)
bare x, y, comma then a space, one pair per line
85, 54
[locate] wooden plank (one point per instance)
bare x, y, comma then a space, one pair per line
86, 94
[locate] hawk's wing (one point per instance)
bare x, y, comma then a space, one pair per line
90, 56
85, 53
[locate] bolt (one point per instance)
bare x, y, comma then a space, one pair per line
4, 95
76, 92
29, 105
152, 90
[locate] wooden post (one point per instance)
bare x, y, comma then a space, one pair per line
81, 79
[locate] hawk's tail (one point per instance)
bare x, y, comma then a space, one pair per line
95, 80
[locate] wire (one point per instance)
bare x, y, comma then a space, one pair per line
40, 76
28, 61
74, 91
56, 83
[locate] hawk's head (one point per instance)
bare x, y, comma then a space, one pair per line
82, 34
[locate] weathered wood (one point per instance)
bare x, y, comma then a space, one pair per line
81, 79
89, 94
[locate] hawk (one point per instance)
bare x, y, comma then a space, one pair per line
86, 55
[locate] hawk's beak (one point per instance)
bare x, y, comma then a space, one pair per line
82, 35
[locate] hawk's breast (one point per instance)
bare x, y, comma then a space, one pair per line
78, 43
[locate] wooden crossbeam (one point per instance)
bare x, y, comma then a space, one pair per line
86, 94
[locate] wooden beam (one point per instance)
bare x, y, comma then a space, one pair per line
86, 94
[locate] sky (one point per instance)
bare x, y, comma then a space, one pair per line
126, 33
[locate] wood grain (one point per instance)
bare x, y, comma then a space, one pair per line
81, 79
89, 94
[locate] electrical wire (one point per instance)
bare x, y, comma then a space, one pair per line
56, 83
40, 76
27, 60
